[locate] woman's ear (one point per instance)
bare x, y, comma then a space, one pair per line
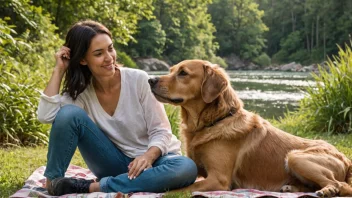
83, 62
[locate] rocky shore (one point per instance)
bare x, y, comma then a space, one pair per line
234, 63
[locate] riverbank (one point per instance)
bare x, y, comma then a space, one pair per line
234, 64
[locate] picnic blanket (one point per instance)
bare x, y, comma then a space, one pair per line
34, 188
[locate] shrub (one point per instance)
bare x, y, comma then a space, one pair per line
125, 60
18, 94
18, 118
280, 57
328, 105
263, 60
218, 60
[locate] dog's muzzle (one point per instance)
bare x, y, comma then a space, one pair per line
153, 81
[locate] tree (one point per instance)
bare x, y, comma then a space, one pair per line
120, 16
321, 24
189, 31
35, 39
239, 27
27, 40
150, 40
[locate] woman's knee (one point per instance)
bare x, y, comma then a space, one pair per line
187, 168
68, 113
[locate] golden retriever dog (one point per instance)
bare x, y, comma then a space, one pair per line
234, 148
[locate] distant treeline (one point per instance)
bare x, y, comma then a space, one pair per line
261, 31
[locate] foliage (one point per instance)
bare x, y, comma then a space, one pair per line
321, 25
173, 114
120, 16
218, 60
263, 60
18, 95
33, 40
125, 60
150, 40
18, 117
328, 106
188, 28
291, 50
7, 45
288, 45
239, 25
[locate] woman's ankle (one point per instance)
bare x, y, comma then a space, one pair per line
94, 187
47, 183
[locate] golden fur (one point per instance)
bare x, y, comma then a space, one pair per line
244, 150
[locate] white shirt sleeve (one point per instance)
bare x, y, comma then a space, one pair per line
49, 106
159, 129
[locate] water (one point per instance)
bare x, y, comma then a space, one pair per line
268, 93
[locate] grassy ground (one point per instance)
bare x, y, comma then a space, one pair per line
17, 164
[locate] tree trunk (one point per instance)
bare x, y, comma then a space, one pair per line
293, 18
306, 32
238, 26
317, 33
324, 38
308, 43
312, 37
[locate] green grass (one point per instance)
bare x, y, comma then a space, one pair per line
17, 164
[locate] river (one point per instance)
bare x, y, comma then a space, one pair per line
268, 93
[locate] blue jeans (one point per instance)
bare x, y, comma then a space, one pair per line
72, 127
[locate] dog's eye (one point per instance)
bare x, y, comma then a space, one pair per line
182, 73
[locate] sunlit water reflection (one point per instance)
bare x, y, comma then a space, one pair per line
268, 93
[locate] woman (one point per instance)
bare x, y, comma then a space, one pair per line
109, 112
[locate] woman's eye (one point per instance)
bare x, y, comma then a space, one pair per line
182, 73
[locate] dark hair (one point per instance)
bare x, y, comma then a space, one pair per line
78, 39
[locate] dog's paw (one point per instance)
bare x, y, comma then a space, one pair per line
328, 191
288, 188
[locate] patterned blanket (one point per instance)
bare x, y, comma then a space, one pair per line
34, 188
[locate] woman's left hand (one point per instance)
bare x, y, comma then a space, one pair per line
143, 162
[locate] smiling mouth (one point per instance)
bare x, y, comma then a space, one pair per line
176, 100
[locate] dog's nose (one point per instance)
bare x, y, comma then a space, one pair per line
153, 81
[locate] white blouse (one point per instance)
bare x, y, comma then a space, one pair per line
138, 123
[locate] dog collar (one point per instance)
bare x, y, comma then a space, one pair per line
231, 113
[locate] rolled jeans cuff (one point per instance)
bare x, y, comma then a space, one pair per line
103, 184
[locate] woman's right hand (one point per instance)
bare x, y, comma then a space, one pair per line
62, 58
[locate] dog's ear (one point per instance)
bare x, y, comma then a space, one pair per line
214, 83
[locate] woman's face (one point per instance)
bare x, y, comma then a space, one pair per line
101, 56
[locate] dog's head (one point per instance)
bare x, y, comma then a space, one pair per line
190, 80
